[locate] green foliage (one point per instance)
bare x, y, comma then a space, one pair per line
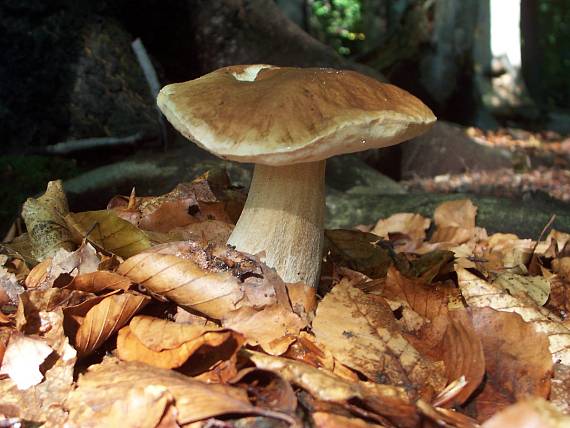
336, 23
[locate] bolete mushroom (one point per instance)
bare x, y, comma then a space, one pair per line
288, 121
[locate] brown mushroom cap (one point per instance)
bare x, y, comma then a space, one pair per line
280, 116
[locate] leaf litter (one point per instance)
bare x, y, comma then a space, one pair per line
140, 315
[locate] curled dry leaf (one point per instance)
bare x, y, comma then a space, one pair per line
63, 267
516, 357
458, 213
388, 401
462, 352
110, 232
530, 413
96, 282
22, 359
108, 384
479, 293
44, 218
106, 318
413, 226
268, 389
274, 327
361, 332
167, 344
214, 294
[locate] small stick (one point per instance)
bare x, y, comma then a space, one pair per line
71, 146
153, 83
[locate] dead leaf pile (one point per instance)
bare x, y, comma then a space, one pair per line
140, 315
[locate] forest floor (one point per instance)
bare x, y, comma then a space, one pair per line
541, 160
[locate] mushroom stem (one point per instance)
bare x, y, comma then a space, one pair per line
283, 216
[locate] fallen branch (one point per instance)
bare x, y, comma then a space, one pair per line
71, 146
153, 83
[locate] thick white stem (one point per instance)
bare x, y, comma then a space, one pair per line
283, 216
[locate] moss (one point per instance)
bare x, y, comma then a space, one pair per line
24, 176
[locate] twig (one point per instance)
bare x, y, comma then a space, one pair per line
71, 146
153, 83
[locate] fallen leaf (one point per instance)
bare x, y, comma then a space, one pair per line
358, 251
463, 354
106, 318
516, 359
211, 231
330, 420
361, 332
479, 293
459, 213
22, 359
428, 300
560, 388
530, 413
44, 218
108, 384
96, 282
536, 288
268, 389
411, 225
10, 288
166, 344
110, 232
64, 266
214, 294
274, 327
388, 401
44, 401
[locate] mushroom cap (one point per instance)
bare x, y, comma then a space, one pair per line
282, 115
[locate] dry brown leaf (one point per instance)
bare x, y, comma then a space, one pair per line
412, 225
211, 231
268, 389
358, 251
44, 218
516, 358
110, 232
214, 294
166, 344
10, 288
64, 266
273, 328
531, 413
443, 417
44, 402
106, 318
303, 299
428, 300
559, 299
330, 420
458, 213
560, 388
452, 235
361, 332
22, 359
479, 293
98, 281
387, 401
463, 354
142, 408
108, 384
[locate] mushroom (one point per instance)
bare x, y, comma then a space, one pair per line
288, 121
